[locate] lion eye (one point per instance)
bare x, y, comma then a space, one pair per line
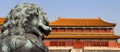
45, 23
16, 18
28, 11
18, 10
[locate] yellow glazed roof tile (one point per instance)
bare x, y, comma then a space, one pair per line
85, 22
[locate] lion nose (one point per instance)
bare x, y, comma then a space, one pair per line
50, 29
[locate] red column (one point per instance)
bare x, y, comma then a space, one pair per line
58, 29
73, 29
0, 29
112, 44
78, 44
98, 29
65, 30
47, 43
92, 43
83, 29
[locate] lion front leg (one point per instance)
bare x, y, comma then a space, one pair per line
4, 48
7, 45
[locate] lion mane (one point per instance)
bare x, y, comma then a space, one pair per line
26, 18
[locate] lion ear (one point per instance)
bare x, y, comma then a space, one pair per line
38, 11
11, 11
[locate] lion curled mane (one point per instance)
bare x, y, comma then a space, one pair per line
25, 20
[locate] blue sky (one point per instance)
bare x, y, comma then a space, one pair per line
108, 10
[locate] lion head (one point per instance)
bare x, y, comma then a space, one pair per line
26, 18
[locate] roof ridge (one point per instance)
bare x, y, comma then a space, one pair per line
107, 22
78, 18
97, 22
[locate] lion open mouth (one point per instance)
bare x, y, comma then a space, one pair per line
43, 31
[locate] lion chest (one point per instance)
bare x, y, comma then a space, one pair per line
29, 44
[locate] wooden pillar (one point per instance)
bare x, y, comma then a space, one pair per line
0, 29
112, 30
58, 29
107, 30
100, 43
65, 29
83, 29
92, 42
73, 29
47, 43
91, 29
98, 29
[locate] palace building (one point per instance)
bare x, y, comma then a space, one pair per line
81, 35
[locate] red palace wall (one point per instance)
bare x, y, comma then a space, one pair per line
80, 43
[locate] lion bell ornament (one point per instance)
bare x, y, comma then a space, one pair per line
24, 29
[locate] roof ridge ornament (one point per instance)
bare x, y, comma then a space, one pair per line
99, 17
59, 17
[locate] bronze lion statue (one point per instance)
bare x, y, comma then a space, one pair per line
24, 29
